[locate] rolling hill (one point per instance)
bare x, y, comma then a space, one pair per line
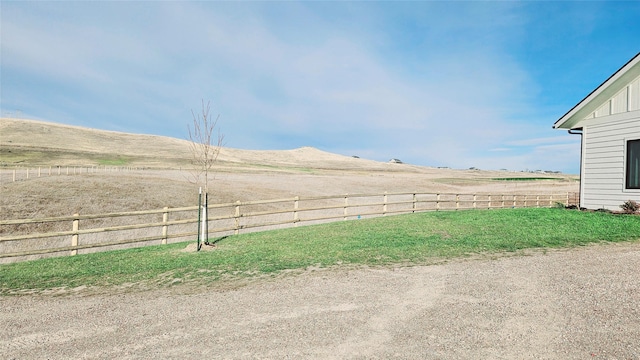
35, 143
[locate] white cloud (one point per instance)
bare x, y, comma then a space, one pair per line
433, 84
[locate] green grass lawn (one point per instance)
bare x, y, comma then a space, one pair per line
421, 238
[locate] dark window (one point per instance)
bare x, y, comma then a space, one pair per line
633, 164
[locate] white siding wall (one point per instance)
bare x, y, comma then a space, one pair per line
634, 95
604, 160
627, 99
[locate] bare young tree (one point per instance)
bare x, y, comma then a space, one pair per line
206, 141
205, 148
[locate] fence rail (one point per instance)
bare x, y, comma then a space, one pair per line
26, 173
20, 241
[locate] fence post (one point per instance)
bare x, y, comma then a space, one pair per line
165, 227
27, 173
237, 217
437, 202
58, 169
346, 205
384, 204
525, 201
74, 237
537, 201
296, 204
502, 201
515, 197
474, 201
457, 201
414, 203
489, 204
14, 177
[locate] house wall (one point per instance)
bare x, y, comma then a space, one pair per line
627, 99
604, 152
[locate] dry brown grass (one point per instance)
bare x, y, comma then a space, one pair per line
240, 175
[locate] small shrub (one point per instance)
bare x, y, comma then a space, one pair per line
630, 207
558, 205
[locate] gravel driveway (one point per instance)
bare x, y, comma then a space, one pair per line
581, 303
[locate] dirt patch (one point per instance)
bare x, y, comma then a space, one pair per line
193, 247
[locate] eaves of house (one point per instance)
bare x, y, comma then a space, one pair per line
598, 97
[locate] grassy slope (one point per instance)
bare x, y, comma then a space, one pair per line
39, 143
406, 239
26, 142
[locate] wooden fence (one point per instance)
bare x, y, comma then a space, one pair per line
573, 198
26, 239
25, 173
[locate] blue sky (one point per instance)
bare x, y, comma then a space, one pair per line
457, 84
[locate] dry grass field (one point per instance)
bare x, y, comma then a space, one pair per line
163, 177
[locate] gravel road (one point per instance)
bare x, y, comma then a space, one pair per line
581, 303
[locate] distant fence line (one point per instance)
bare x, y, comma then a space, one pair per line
20, 173
25, 238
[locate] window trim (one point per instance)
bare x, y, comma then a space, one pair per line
628, 165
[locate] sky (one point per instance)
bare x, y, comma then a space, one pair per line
447, 84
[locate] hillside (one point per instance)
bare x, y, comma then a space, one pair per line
240, 175
30, 142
